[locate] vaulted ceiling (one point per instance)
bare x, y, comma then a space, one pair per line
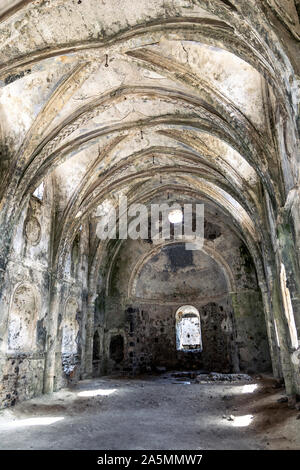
149, 97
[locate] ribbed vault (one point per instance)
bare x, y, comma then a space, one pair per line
193, 99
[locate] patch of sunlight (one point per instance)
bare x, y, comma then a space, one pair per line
249, 388
45, 421
96, 393
242, 421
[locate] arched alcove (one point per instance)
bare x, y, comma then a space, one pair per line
116, 348
96, 347
23, 320
75, 255
173, 271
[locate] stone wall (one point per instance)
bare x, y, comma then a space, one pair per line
25, 307
22, 378
141, 302
251, 332
25, 304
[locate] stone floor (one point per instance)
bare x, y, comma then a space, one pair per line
158, 412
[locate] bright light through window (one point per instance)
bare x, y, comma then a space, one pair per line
188, 329
96, 393
39, 192
175, 216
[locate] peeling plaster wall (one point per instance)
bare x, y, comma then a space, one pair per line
25, 316
25, 304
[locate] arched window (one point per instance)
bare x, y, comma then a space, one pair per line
188, 329
39, 192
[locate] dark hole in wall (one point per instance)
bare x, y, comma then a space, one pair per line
96, 347
211, 231
116, 348
229, 4
75, 255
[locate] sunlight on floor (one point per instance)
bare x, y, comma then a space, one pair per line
242, 389
249, 388
242, 421
45, 421
96, 393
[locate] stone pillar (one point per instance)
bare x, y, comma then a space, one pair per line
55, 301
89, 334
284, 241
233, 345
271, 332
288, 255
284, 339
84, 252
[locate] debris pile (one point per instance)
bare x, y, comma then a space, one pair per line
218, 377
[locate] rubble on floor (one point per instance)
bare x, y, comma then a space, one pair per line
188, 377
217, 377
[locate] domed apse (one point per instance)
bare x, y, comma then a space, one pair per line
232, 334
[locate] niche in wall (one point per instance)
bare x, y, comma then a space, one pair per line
22, 320
96, 347
116, 348
75, 255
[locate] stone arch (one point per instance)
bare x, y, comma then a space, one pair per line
217, 257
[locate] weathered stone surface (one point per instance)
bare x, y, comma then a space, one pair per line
162, 102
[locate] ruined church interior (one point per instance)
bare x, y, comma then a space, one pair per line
138, 342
